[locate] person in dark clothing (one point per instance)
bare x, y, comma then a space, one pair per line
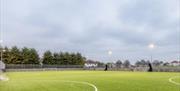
150, 67
106, 68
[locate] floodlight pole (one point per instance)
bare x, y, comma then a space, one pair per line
1, 50
151, 57
1, 29
151, 47
1, 55
110, 53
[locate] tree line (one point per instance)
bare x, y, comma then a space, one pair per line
15, 55
125, 64
140, 63
154, 63
63, 58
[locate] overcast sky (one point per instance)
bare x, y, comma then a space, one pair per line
92, 27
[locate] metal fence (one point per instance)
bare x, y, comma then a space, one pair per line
159, 68
36, 67
167, 69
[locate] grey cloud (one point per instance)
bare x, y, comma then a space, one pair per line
94, 26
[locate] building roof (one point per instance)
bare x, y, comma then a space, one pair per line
176, 62
91, 62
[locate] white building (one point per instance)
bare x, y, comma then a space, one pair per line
91, 64
175, 63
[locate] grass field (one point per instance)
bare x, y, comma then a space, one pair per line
83, 81
176, 79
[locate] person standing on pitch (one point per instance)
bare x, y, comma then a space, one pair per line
150, 68
106, 68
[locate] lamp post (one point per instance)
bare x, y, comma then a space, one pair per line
1, 49
151, 47
110, 53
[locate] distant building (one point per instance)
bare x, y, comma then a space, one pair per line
175, 63
91, 64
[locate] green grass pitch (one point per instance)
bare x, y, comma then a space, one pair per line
176, 79
83, 81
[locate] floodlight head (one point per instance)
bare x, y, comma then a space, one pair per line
4, 50
151, 46
110, 52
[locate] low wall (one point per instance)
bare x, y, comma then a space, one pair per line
42, 69
20, 67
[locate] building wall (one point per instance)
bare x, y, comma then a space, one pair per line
90, 65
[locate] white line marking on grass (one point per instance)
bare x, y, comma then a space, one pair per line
79, 82
86, 83
171, 80
4, 78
